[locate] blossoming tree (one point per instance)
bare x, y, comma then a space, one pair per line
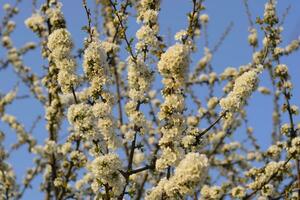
137, 127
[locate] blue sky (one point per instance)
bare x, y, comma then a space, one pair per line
234, 52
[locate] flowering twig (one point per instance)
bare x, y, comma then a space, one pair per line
249, 196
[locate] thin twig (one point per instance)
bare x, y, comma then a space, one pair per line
123, 31
88, 14
199, 136
222, 38
248, 13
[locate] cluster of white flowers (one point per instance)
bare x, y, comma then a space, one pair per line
139, 83
257, 57
30, 174
105, 170
6, 7
252, 38
270, 12
106, 123
138, 157
212, 103
14, 57
109, 19
204, 18
139, 80
78, 158
49, 148
23, 135
60, 46
216, 137
281, 70
206, 58
262, 176
212, 193
58, 182
82, 118
60, 43
65, 148
274, 151
273, 32
55, 15
147, 37
158, 191
137, 117
6, 41
53, 113
285, 129
8, 181
268, 190
148, 33
108, 47
295, 147
36, 23
192, 121
238, 192
95, 67
290, 48
139, 73
189, 140
11, 25
7, 99
185, 179
264, 90
173, 67
243, 87
254, 155
179, 36
229, 72
293, 46
231, 146
88, 177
